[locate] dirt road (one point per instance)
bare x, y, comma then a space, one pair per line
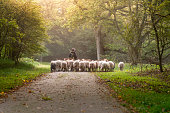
69, 92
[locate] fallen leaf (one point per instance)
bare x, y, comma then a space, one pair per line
14, 98
38, 108
82, 110
25, 104
46, 98
119, 97
91, 106
29, 91
2, 93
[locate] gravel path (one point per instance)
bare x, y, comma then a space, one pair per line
62, 92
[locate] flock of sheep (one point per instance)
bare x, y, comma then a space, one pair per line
84, 65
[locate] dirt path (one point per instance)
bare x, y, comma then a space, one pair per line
62, 93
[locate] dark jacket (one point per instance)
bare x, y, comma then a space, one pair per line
73, 55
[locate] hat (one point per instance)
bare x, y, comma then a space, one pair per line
73, 49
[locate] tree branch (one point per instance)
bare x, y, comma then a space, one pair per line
163, 15
166, 57
151, 61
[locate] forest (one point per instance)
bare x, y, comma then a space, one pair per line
132, 31
129, 37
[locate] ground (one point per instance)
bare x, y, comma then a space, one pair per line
62, 92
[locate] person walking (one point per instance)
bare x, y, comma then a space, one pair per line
72, 54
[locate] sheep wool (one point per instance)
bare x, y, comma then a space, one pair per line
121, 65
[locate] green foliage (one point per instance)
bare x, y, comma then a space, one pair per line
126, 22
4, 63
12, 76
159, 16
22, 29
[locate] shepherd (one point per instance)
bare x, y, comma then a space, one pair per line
72, 54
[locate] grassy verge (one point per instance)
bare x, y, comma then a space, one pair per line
142, 91
12, 76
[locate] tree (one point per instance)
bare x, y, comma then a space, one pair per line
29, 33
9, 35
130, 20
128, 17
159, 13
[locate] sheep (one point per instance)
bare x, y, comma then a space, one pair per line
53, 66
121, 65
76, 65
64, 66
112, 65
86, 63
92, 66
70, 64
105, 66
97, 65
82, 65
58, 65
100, 64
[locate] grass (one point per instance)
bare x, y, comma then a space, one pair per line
13, 76
147, 91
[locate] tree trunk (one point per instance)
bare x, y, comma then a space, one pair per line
157, 43
99, 45
134, 54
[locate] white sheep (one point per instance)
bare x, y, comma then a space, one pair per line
64, 66
76, 65
104, 66
70, 65
82, 65
97, 65
92, 66
100, 64
86, 63
58, 65
112, 65
121, 65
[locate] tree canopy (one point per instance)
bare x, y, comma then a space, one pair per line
135, 31
22, 29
